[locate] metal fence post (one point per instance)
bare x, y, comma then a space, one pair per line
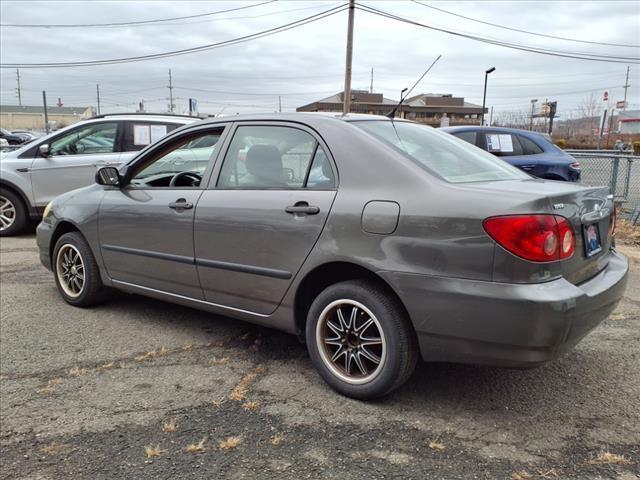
614, 176
626, 181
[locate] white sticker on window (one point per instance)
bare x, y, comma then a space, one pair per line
506, 144
493, 143
157, 132
141, 135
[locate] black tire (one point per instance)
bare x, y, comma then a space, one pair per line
400, 356
19, 214
92, 291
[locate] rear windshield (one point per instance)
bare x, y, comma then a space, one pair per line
440, 153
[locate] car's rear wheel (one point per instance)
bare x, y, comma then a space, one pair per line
76, 271
360, 339
13, 213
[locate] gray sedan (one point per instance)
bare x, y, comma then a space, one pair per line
375, 241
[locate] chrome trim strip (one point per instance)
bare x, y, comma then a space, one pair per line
190, 299
148, 253
237, 267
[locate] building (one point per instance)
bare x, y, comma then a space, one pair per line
426, 108
14, 117
629, 121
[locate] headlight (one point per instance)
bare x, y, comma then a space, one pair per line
47, 209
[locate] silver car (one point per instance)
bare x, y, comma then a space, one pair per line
31, 176
376, 242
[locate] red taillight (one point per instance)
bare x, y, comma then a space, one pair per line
614, 219
539, 238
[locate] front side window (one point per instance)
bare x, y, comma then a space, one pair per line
138, 135
441, 153
94, 138
182, 163
272, 157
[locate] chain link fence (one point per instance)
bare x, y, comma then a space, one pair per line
619, 171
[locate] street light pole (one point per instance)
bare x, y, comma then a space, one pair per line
533, 106
484, 96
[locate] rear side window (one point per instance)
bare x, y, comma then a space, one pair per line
138, 135
274, 157
469, 137
440, 153
503, 144
529, 147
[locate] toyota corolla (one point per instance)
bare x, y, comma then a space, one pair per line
377, 242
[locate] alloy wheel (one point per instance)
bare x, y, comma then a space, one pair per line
351, 341
7, 213
70, 270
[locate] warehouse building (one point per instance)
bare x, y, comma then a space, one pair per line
14, 117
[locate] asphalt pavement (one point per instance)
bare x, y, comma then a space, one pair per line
137, 388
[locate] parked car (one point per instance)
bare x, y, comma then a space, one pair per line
11, 138
31, 176
27, 135
375, 241
529, 151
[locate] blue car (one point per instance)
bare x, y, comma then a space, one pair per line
529, 151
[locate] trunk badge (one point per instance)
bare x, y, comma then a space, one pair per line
558, 206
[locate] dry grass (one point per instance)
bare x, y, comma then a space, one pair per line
239, 392
162, 351
608, 458
78, 372
436, 445
627, 233
617, 316
551, 473
53, 449
260, 369
152, 451
49, 387
521, 475
199, 447
188, 347
250, 406
217, 403
230, 443
277, 440
169, 426
218, 361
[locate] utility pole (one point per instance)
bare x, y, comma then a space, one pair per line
279, 104
98, 97
171, 106
46, 115
626, 86
533, 106
346, 100
19, 89
371, 86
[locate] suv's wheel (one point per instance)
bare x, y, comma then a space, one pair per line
360, 339
13, 213
76, 271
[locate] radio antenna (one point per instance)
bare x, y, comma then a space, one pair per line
392, 113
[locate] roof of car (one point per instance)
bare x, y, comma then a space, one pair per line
462, 128
146, 117
307, 117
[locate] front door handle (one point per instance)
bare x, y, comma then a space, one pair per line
302, 208
181, 204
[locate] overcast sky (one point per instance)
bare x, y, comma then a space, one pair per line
307, 63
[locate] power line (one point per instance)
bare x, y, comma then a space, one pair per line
174, 53
515, 46
126, 24
524, 31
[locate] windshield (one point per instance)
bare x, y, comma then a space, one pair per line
440, 153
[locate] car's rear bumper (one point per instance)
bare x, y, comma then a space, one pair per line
516, 325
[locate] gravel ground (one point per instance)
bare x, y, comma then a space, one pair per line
83, 392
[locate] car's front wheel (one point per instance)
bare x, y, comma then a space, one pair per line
360, 339
76, 271
13, 213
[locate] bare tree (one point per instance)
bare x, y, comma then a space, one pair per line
589, 109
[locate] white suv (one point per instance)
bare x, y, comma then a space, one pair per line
31, 176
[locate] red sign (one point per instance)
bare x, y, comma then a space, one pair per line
606, 96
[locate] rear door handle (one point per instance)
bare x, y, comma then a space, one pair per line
302, 208
181, 204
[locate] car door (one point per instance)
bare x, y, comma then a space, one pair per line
73, 159
257, 223
146, 226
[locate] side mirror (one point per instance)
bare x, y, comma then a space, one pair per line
44, 150
108, 176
